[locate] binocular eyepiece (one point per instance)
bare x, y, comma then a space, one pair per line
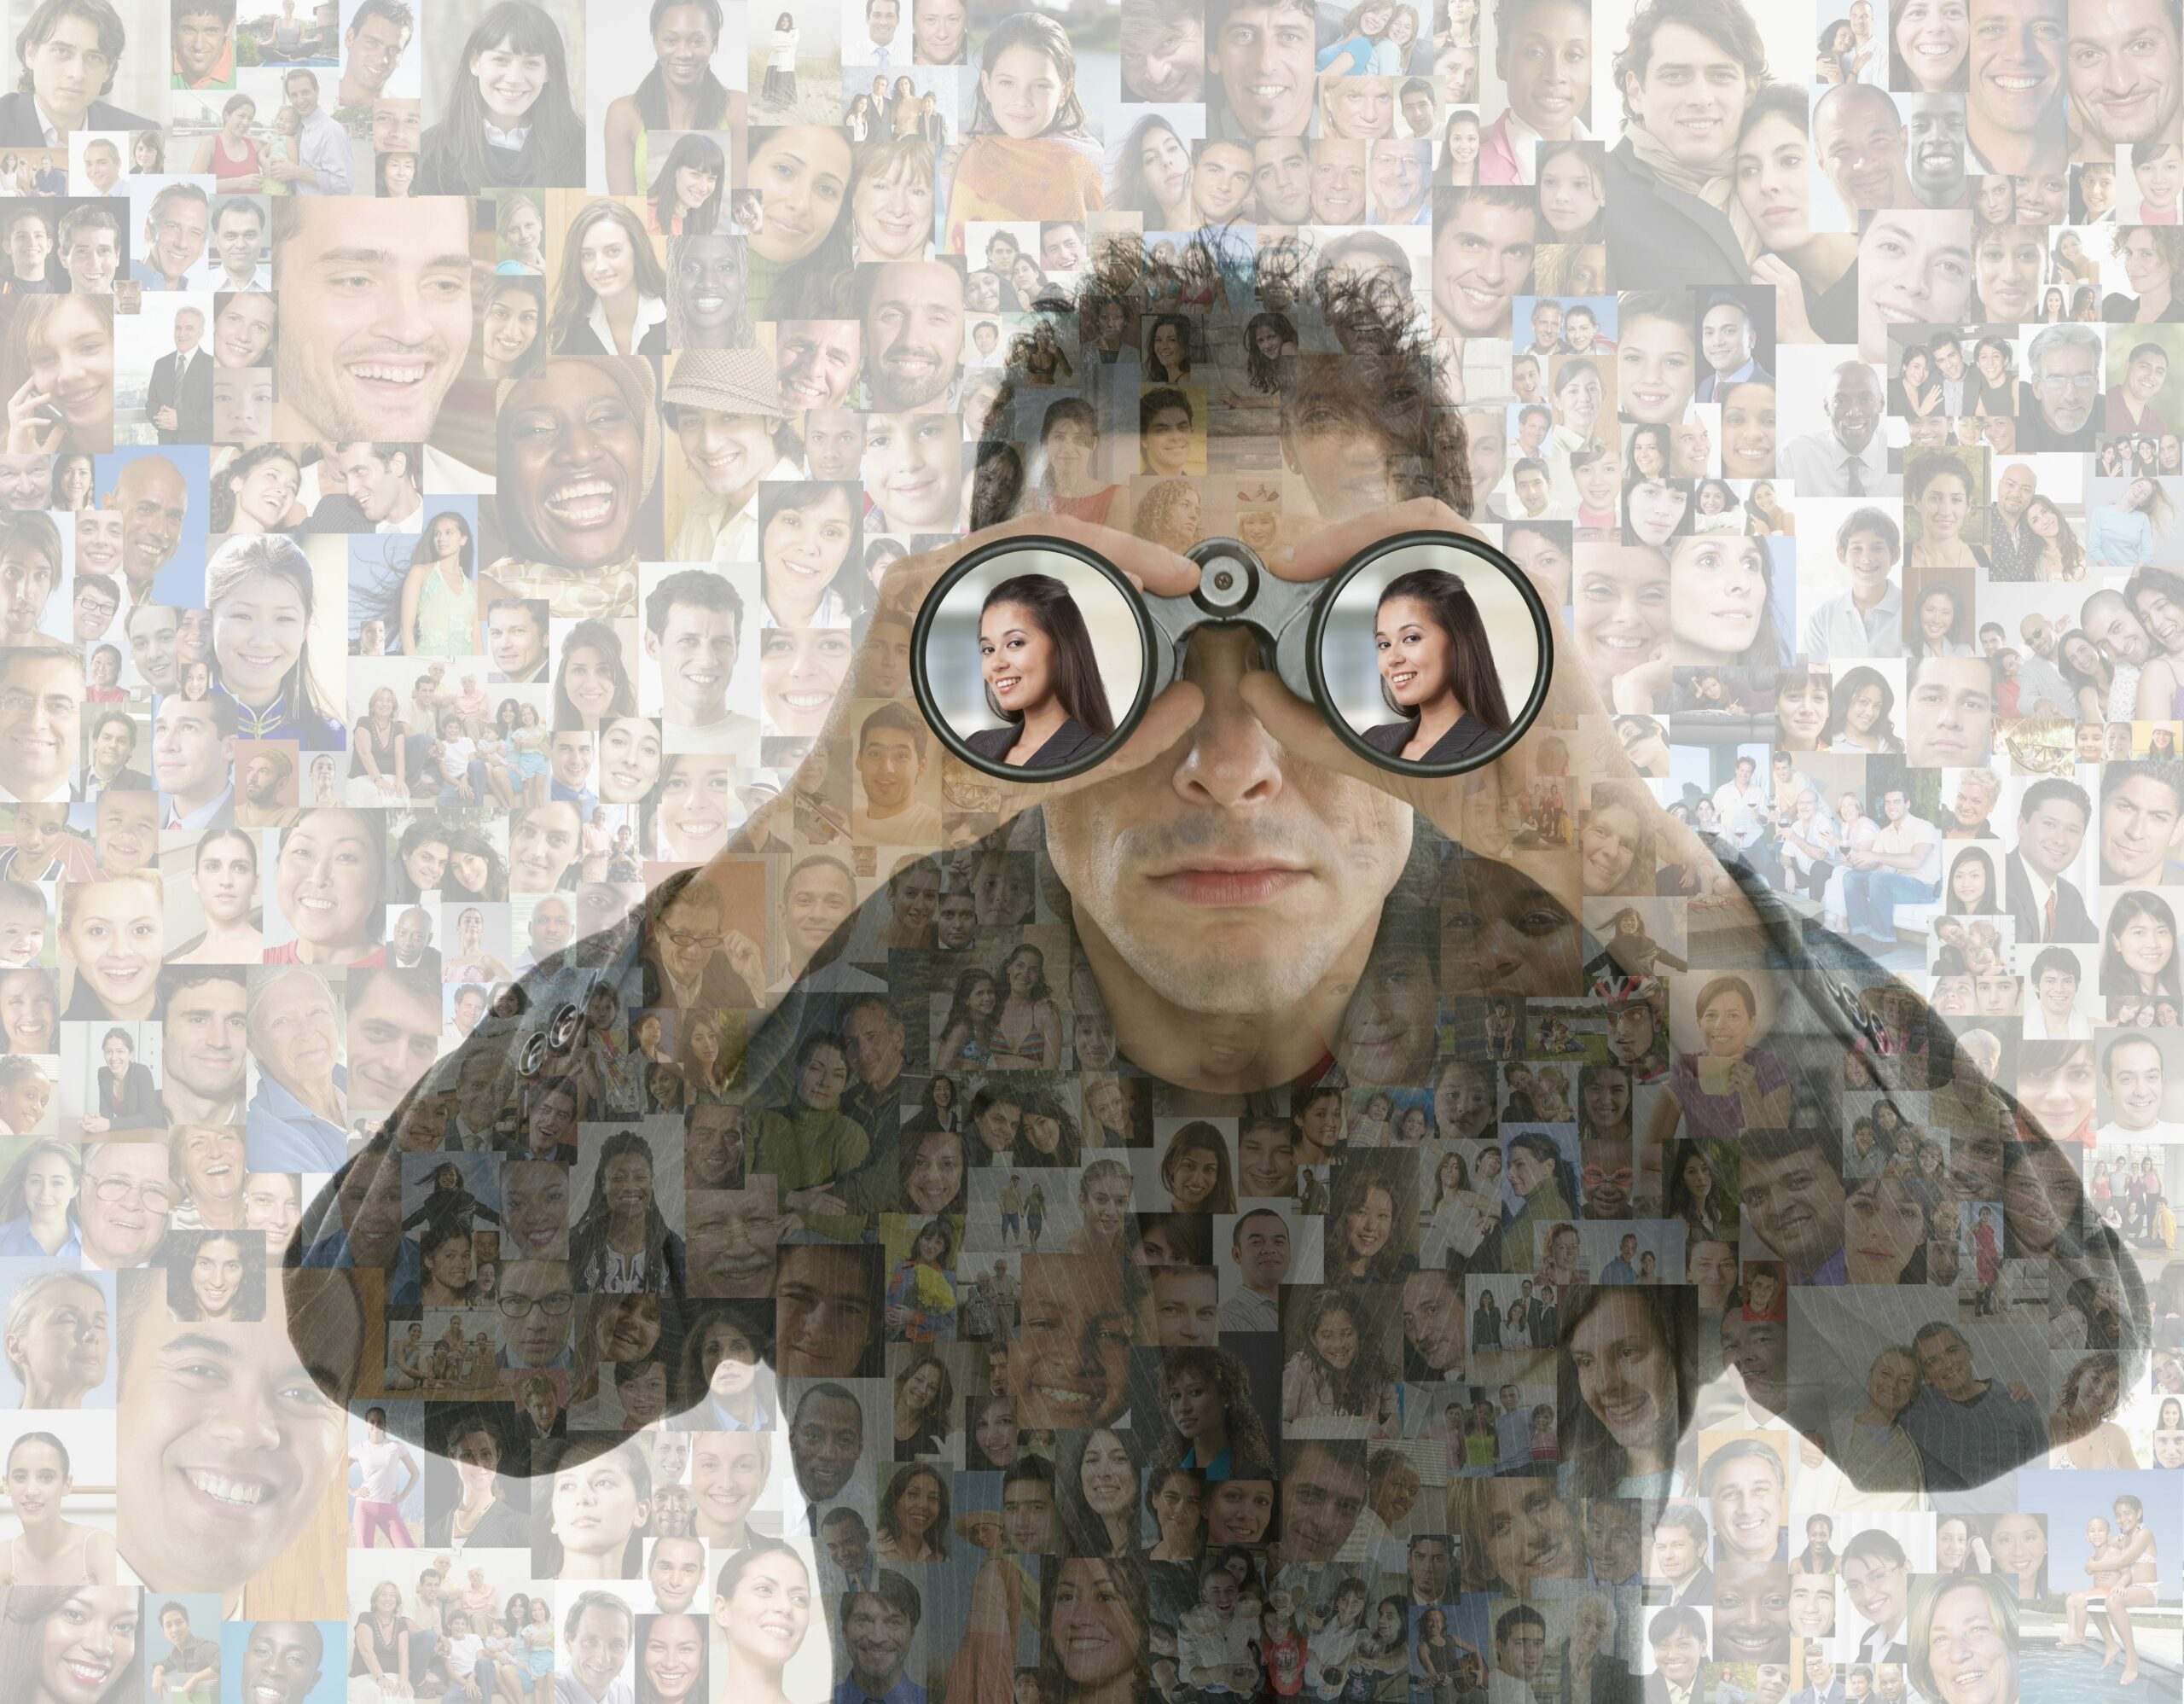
1429, 653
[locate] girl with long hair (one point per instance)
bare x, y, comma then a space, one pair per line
1214, 1427
921, 1305
1628, 1375
1195, 1170
1372, 1214
593, 684
2062, 557
1069, 442
1043, 681
1153, 175
1459, 146
1972, 889
685, 199
1029, 152
913, 1525
458, 156
255, 490
612, 296
1338, 1371
439, 614
1862, 714
622, 1241
58, 376
1435, 662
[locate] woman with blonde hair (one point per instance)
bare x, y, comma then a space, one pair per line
59, 374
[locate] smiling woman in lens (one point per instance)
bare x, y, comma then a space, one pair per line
1040, 677
1435, 663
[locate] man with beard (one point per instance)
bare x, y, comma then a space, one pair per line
913, 315
266, 777
2064, 366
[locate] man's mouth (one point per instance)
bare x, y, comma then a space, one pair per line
228, 1494
395, 374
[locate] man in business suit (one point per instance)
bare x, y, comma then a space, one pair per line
179, 398
1678, 1639
1728, 341
2052, 819
70, 52
1822, 1687
1677, 1573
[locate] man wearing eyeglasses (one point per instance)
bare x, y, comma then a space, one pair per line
684, 964
535, 1302
123, 1205
2064, 362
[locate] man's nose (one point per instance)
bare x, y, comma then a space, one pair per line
1228, 758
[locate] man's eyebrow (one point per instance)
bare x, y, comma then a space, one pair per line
382, 256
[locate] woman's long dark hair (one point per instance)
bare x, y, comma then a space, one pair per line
1197, 1135
1597, 1463
555, 145
1054, 611
588, 1235
1155, 371
1854, 682
1356, 1388
1472, 676
1265, 375
1989, 901
695, 153
2117, 977
600, 637
24, 1612
651, 97
891, 1527
178, 1254
1083, 1530
467, 558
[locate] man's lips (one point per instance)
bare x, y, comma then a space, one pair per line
1229, 882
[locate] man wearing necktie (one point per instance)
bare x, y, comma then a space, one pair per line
882, 18
1851, 458
2052, 819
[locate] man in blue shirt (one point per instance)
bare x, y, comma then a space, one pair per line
877, 1627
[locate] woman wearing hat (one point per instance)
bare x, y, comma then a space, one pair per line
724, 406
578, 445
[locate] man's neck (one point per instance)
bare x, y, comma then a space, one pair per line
873, 1685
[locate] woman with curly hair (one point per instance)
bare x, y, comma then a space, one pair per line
1169, 514
1337, 1372
2153, 256
1213, 1424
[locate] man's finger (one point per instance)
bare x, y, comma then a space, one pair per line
1326, 551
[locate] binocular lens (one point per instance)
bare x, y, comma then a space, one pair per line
1428, 653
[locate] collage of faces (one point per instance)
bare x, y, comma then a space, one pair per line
557, 1147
